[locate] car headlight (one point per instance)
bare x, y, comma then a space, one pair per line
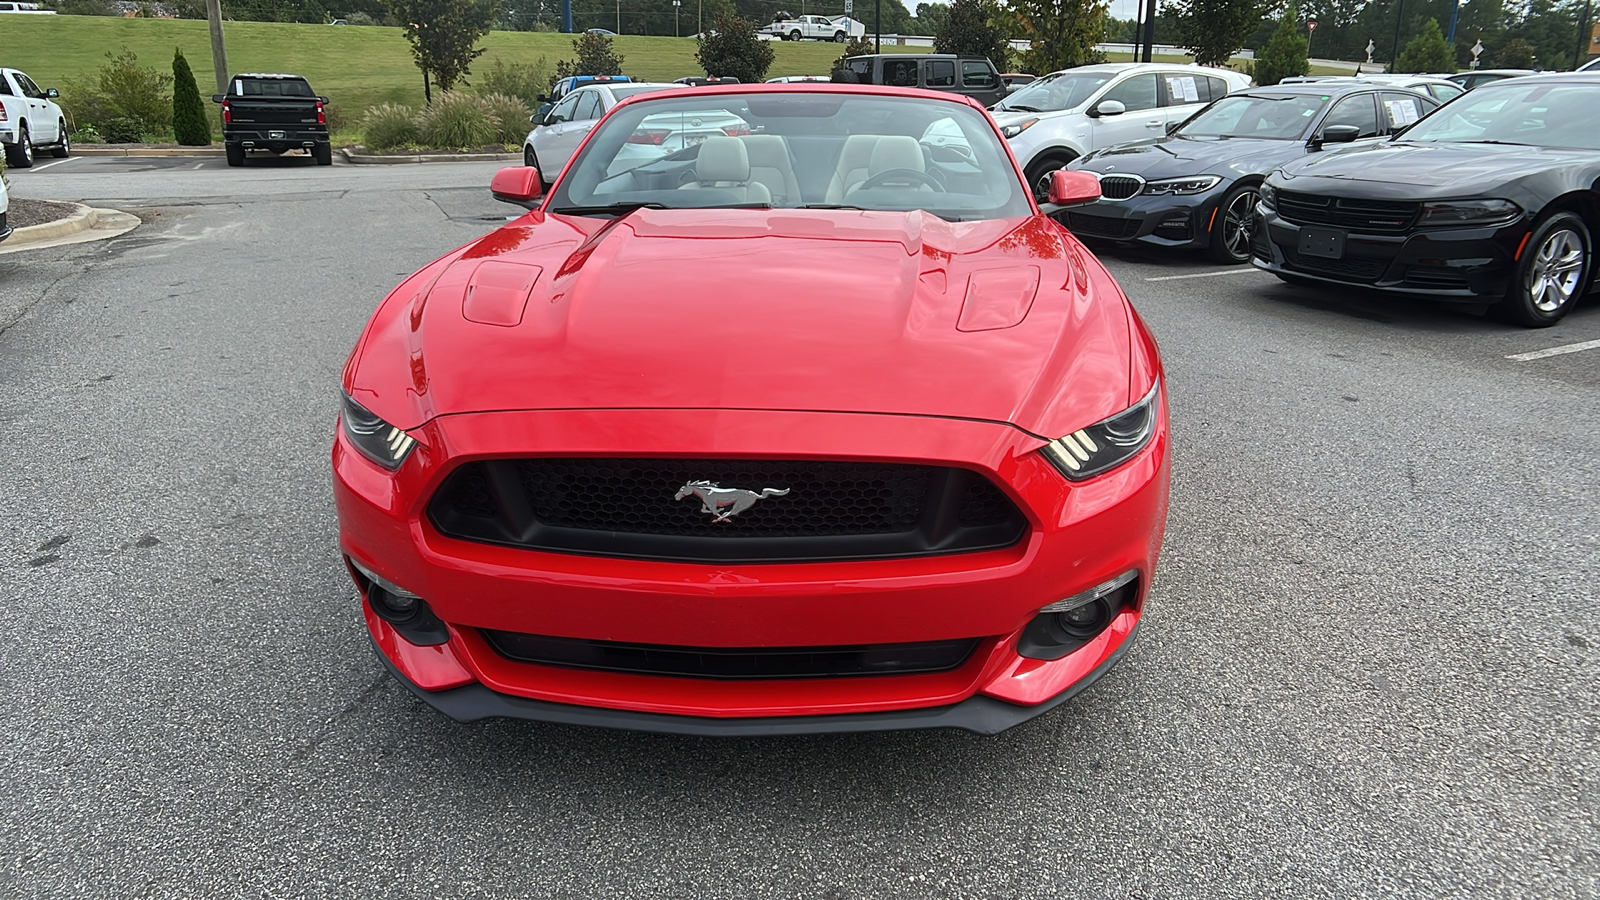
1196, 185
377, 440
1469, 212
1269, 196
1016, 128
1108, 443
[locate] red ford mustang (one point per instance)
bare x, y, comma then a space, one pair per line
786, 411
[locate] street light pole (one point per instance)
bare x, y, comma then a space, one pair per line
877, 26
1394, 47
619, 16
676, 32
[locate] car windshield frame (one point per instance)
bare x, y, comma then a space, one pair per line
641, 155
1307, 119
1041, 95
1483, 116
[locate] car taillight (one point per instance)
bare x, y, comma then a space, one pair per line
227, 113
736, 130
651, 136
322, 117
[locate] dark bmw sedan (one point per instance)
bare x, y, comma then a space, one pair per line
1197, 187
1492, 202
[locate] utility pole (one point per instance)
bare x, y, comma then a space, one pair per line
877, 26
1394, 47
1149, 29
219, 53
619, 16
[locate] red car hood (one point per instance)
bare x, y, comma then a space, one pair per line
879, 312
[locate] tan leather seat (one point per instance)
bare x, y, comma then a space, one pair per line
895, 152
723, 164
771, 167
851, 169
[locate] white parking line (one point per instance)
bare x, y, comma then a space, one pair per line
1242, 271
56, 163
1555, 351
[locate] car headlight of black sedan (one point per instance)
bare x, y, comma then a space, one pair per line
1197, 184
1108, 443
1469, 212
1268, 195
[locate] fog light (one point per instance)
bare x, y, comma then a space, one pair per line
1089, 618
1066, 625
400, 607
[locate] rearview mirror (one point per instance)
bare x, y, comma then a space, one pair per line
1108, 108
517, 184
1069, 188
1339, 134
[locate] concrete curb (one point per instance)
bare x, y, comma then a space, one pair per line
148, 151
362, 159
71, 230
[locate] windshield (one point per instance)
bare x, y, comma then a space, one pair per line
795, 149
1062, 92
1542, 115
1281, 118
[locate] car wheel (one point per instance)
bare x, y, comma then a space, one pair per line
840, 37
1551, 275
1038, 174
1234, 225
63, 149
323, 153
794, 35
235, 154
20, 154
531, 159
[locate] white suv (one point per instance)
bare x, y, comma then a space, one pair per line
1066, 114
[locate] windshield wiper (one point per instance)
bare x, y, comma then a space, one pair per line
1506, 143
829, 206
1021, 108
616, 209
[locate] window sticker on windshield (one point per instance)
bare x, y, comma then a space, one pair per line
238, 86
1401, 112
1182, 87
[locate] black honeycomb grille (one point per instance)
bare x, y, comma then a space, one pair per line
809, 509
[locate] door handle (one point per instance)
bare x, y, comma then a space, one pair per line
1153, 123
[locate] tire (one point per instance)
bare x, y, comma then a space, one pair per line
1038, 173
840, 37
1233, 226
235, 154
1555, 267
20, 154
532, 160
63, 149
323, 154
794, 35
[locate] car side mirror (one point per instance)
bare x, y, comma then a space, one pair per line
323, 100
1108, 108
1339, 134
1069, 188
1172, 126
519, 185
216, 98
52, 93
542, 98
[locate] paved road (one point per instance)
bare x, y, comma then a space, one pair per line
1370, 669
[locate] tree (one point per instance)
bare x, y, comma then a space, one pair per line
596, 56
1060, 33
930, 17
860, 46
1516, 54
1214, 30
189, 123
969, 29
1285, 53
730, 48
1427, 52
442, 34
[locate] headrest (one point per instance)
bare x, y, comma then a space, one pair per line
766, 150
722, 159
895, 152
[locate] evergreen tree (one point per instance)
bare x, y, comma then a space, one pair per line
969, 30
1427, 52
1061, 33
442, 34
189, 123
1285, 54
596, 56
1214, 30
730, 48
1516, 54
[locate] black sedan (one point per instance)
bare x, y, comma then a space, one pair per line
1490, 202
1196, 187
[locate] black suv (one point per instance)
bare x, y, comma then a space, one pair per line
974, 76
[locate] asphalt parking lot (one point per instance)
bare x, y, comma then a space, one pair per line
1369, 668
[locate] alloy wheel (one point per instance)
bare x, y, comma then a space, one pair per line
1239, 224
1557, 266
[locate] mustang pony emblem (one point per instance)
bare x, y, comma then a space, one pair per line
725, 503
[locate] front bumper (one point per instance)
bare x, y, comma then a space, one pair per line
1177, 222
1461, 264
1080, 535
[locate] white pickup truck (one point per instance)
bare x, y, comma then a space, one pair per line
29, 118
816, 28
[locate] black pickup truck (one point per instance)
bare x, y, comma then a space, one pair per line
273, 112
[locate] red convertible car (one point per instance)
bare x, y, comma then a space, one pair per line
811, 421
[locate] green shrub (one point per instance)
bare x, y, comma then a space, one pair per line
510, 117
189, 123
458, 121
123, 130
1285, 52
525, 81
389, 125
122, 89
